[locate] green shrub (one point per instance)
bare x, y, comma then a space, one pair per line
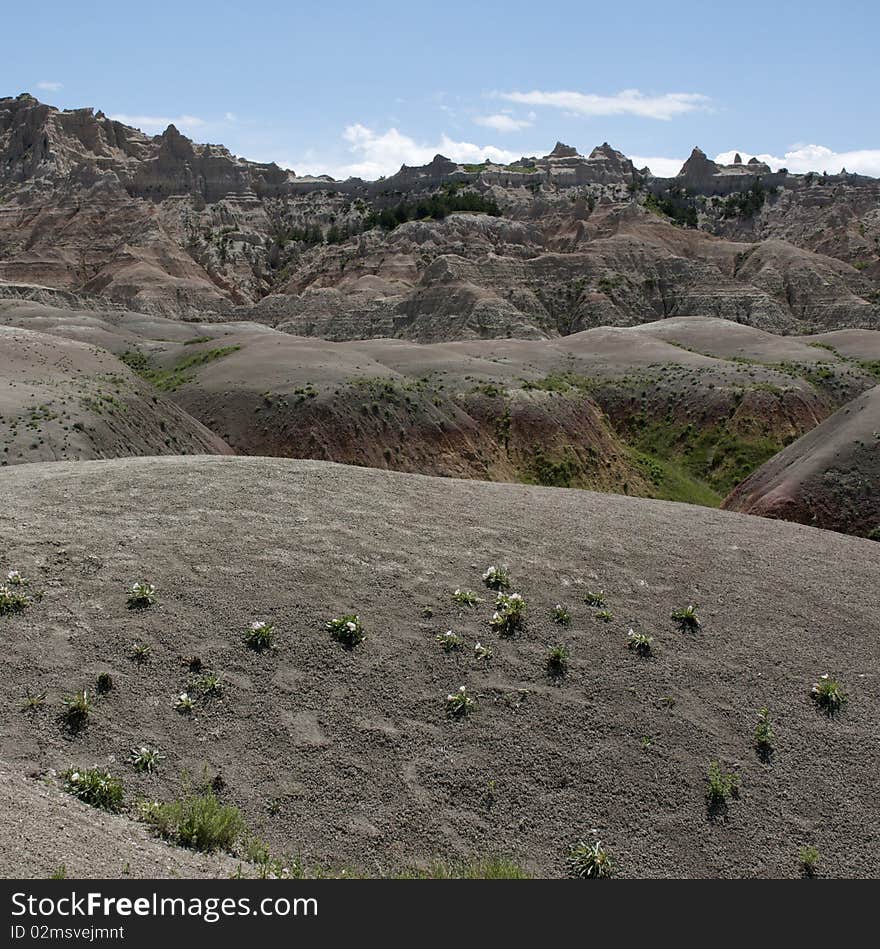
184, 703
13, 598
33, 701
209, 684
198, 821
560, 615
595, 598
436, 206
489, 868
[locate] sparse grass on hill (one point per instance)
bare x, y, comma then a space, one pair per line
170, 379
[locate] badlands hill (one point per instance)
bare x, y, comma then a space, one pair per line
347, 759
829, 477
543, 247
682, 409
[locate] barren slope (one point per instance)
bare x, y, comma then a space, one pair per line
830, 477
348, 757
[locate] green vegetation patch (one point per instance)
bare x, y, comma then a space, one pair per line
671, 481
560, 472
715, 457
436, 206
682, 213
173, 377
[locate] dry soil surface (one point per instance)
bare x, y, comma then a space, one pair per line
348, 758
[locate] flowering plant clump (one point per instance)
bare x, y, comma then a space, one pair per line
347, 630
481, 652
687, 618
146, 759
184, 703
465, 597
450, 641
141, 595
605, 616
640, 643
459, 704
509, 615
560, 615
828, 694
497, 578
589, 861
595, 599
260, 636
94, 786
13, 598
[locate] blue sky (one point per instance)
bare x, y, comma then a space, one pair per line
363, 87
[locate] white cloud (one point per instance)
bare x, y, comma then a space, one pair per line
660, 167
48, 86
154, 124
803, 158
627, 102
382, 153
503, 122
